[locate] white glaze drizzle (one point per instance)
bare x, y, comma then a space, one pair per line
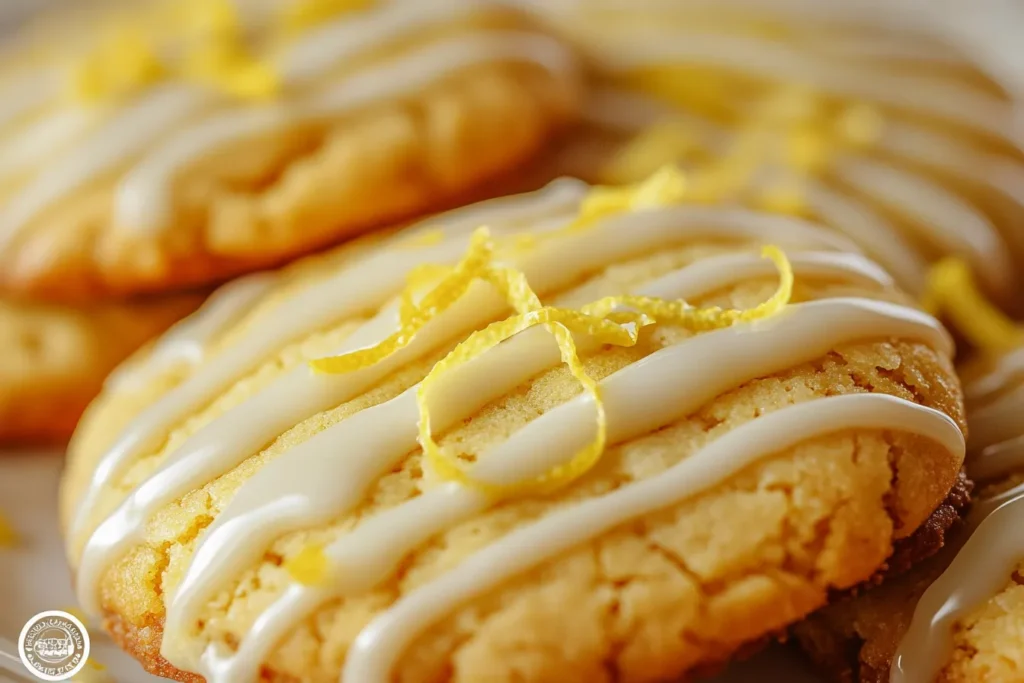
125, 135
144, 200
297, 394
167, 107
948, 155
960, 229
993, 541
871, 231
20, 95
33, 144
950, 223
685, 376
376, 650
287, 495
188, 342
324, 48
933, 96
368, 285
978, 571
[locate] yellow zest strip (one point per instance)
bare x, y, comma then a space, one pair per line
666, 186
680, 313
225, 65
413, 316
8, 536
952, 291
599, 320
308, 566
662, 143
121, 64
303, 14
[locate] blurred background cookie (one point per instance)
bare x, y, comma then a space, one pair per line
747, 455
53, 359
869, 117
187, 143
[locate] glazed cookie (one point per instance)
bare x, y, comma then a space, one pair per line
956, 618
887, 135
165, 173
53, 359
382, 471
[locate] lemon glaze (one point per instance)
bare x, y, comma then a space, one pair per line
664, 387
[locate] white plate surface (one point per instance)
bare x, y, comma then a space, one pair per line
34, 577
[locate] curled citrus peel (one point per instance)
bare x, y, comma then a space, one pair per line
613, 320
953, 292
666, 186
122, 63
209, 35
659, 144
791, 128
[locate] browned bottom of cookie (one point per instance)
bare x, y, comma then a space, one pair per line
839, 652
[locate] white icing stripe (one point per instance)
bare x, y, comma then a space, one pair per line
872, 232
21, 95
1009, 368
144, 199
950, 223
309, 484
332, 44
682, 378
248, 427
33, 145
998, 460
378, 647
999, 420
622, 110
127, 134
980, 570
188, 342
944, 99
948, 155
366, 286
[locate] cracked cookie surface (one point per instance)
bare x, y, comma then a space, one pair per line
653, 597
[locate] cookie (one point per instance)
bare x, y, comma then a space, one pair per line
236, 157
956, 617
53, 359
695, 476
889, 137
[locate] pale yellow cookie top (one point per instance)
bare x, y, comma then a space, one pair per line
690, 480
200, 140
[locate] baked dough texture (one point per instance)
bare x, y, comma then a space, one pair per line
658, 596
380, 114
53, 359
857, 640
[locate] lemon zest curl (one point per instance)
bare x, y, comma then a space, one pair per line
953, 292
616, 321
